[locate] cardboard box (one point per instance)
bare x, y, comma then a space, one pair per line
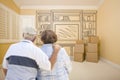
92, 47
94, 39
79, 57
92, 57
79, 42
79, 48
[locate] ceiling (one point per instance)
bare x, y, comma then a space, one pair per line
72, 4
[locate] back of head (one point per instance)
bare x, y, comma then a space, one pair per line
29, 30
48, 36
29, 33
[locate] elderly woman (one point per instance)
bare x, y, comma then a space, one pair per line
62, 67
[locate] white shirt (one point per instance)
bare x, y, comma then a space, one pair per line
61, 68
29, 53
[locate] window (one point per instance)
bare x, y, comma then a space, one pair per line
9, 25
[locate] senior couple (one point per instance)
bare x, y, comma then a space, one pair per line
26, 61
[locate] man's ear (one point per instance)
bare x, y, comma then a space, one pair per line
23, 34
34, 38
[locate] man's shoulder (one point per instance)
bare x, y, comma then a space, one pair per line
13, 44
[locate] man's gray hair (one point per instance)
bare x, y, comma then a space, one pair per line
29, 33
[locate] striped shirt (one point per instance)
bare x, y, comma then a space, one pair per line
22, 61
61, 68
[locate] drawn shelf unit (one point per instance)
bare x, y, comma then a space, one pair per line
67, 16
43, 22
89, 24
67, 24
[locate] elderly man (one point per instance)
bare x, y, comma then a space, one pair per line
23, 59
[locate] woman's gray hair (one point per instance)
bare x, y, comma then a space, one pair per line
29, 33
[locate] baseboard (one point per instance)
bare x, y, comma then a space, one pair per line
110, 63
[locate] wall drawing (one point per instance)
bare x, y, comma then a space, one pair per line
67, 31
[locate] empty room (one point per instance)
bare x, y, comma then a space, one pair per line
59, 40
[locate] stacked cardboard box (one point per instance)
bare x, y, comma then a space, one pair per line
92, 49
79, 51
94, 39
